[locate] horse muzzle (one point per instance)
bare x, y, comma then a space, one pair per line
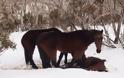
98, 51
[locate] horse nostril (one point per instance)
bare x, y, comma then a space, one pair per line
98, 51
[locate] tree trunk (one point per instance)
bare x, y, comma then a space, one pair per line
107, 34
117, 33
114, 28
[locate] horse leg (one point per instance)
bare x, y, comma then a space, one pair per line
60, 58
30, 51
33, 64
70, 64
28, 58
54, 61
82, 62
26, 52
77, 60
44, 58
52, 56
66, 54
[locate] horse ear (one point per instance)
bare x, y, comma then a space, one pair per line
101, 31
103, 60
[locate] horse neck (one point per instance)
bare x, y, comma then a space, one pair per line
89, 42
88, 39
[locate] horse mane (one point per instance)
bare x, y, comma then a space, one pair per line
87, 35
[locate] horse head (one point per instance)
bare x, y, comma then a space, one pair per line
98, 40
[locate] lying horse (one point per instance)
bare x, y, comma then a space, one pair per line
95, 64
91, 63
29, 41
75, 42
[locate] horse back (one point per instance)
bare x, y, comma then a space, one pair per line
60, 41
32, 35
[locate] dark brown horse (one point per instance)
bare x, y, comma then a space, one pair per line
92, 63
29, 41
95, 64
73, 42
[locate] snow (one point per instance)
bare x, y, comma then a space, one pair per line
12, 64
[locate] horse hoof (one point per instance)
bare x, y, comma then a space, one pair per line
35, 67
63, 67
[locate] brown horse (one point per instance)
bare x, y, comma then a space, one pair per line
73, 42
92, 63
95, 64
29, 41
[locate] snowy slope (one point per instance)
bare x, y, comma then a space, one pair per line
12, 64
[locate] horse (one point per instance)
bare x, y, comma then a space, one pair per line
95, 64
29, 41
75, 42
92, 63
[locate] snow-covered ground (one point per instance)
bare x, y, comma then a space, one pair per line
12, 64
